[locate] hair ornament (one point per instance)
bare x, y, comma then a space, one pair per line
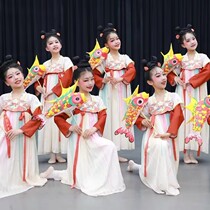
8, 61
81, 63
52, 32
146, 68
74, 68
43, 34
158, 64
101, 34
149, 65
177, 36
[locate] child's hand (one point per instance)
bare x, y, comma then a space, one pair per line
163, 136
186, 85
114, 81
89, 132
40, 89
178, 81
76, 129
13, 133
106, 80
147, 123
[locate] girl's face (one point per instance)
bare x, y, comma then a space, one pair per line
158, 79
14, 78
190, 42
113, 42
86, 82
53, 45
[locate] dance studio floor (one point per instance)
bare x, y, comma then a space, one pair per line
193, 179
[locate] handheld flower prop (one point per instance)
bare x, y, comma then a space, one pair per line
171, 60
97, 55
200, 112
34, 73
135, 104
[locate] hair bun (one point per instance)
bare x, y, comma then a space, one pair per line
81, 63
53, 31
177, 29
75, 60
45, 35
110, 25
154, 58
148, 65
180, 32
8, 57
42, 32
8, 61
189, 26
100, 28
144, 62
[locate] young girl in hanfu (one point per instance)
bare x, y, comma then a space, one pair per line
58, 69
161, 119
118, 71
191, 81
92, 161
19, 169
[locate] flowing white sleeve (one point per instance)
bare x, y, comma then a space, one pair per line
205, 59
67, 63
100, 104
176, 99
34, 102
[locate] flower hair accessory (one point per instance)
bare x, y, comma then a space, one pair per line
177, 36
146, 68
149, 65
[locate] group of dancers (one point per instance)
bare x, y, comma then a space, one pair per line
86, 134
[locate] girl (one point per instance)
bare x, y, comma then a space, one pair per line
93, 164
159, 155
191, 82
18, 157
58, 69
119, 72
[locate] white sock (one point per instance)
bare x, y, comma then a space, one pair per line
132, 166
